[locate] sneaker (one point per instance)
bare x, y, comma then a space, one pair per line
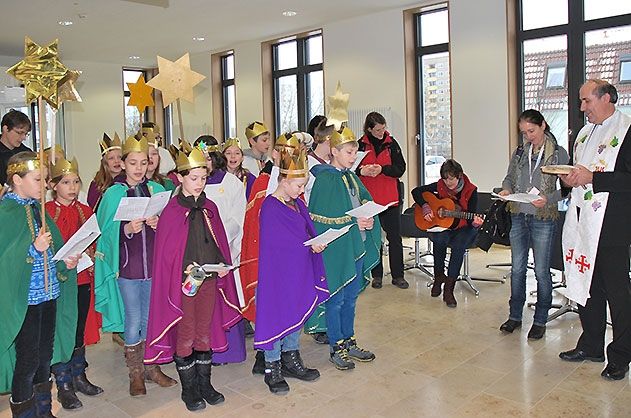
340, 358
357, 353
320, 337
400, 282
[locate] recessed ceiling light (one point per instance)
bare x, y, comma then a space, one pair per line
65, 22
289, 13
199, 38
134, 57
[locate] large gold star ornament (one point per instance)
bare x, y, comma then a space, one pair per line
40, 71
66, 90
175, 79
338, 107
141, 94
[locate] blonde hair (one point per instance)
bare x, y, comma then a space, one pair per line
103, 179
20, 157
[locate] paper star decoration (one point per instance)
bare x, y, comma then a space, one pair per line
175, 79
338, 107
141, 96
66, 90
40, 71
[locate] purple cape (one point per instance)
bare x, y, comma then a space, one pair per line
166, 287
292, 280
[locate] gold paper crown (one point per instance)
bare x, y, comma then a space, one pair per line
287, 140
133, 144
230, 142
188, 157
293, 165
57, 150
107, 144
342, 136
255, 129
152, 135
184, 145
206, 148
63, 167
21, 167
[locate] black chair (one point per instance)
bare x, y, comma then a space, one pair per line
410, 230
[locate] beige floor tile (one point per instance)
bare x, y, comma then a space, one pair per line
561, 403
491, 406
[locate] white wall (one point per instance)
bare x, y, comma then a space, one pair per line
479, 88
248, 82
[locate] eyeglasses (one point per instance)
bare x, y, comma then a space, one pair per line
21, 132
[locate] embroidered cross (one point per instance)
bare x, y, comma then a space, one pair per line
582, 264
570, 255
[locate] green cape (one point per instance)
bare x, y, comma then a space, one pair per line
15, 279
328, 203
107, 297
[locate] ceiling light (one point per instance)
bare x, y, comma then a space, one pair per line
199, 38
289, 13
65, 22
134, 57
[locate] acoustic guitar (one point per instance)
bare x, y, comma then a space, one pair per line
447, 213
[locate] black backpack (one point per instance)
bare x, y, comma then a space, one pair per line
496, 226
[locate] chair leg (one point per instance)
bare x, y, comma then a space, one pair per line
418, 256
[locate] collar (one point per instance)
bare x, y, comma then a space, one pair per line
19, 199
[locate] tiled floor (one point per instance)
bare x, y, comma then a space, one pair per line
431, 361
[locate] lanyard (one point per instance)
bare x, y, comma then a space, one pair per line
531, 170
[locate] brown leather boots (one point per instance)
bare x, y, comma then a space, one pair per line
138, 373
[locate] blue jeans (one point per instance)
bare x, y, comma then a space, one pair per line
291, 342
136, 294
529, 232
340, 309
458, 240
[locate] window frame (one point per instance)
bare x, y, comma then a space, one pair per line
226, 83
624, 59
301, 71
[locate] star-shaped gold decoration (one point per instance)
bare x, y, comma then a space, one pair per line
175, 79
141, 94
338, 107
40, 71
66, 90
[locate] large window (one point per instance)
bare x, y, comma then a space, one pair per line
433, 91
562, 43
298, 82
228, 96
132, 116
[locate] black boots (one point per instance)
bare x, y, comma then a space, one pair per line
274, 378
65, 390
186, 368
259, 363
203, 360
43, 399
292, 366
79, 379
448, 294
25, 409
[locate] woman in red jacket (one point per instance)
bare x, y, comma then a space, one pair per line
380, 171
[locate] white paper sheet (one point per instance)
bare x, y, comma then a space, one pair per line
327, 236
84, 262
131, 208
518, 197
360, 157
81, 239
369, 209
211, 268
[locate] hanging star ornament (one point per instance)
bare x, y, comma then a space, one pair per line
338, 107
141, 94
175, 79
66, 90
40, 71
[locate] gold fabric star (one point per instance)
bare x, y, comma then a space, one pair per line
141, 94
66, 90
175, 79
338, 107
40, 71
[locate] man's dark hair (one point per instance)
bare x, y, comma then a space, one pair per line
16, 119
